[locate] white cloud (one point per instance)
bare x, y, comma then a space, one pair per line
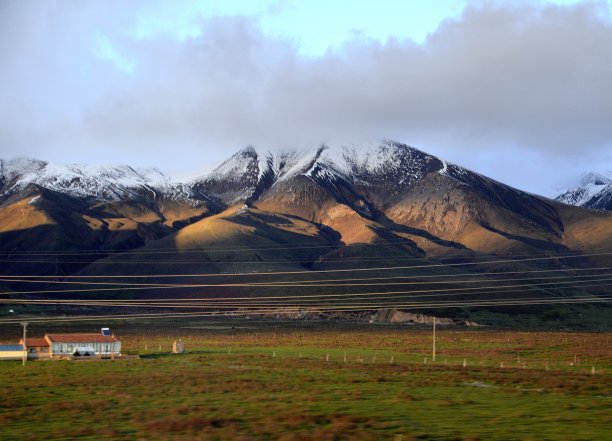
106, 50
493, 89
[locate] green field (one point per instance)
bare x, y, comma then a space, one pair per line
247, 380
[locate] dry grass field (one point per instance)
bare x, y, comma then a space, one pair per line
247, 380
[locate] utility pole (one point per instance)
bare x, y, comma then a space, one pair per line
25, 346
433, 350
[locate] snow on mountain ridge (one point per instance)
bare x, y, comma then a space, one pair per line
246, 174
592, 190
81, 180
346, 160
603, 177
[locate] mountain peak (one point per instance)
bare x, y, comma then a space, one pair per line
593, 190
596, 178
386, 164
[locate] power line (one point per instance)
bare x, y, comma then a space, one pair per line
279, 311
429, 276
292, 284
456, 254
282, 300
257, 302
350, 306
258, 261
306, 283
274, 247
269, 273
305, 296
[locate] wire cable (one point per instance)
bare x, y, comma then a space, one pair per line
269, 273
276, 312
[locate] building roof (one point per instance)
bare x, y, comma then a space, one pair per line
80, 338
35, 342
11, 348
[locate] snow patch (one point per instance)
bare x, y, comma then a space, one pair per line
444, 168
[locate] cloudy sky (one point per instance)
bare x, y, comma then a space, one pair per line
520, 91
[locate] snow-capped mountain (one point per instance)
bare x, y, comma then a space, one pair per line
250, 172
271, 210
593, 190
388, 166
385, 182
368, 178
105, 183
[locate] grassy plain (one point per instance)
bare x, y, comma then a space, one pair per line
263, 380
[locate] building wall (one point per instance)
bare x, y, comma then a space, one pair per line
100, 348
36, 353
11, 355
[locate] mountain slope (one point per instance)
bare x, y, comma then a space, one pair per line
362, 192
345, 207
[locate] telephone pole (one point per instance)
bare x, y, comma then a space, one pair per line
433, 350
25, 346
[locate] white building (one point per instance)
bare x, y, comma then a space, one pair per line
64, 345
82, 344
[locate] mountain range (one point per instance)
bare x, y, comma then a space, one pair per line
330, 208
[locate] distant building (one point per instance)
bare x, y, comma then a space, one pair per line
11, 352
64, 345
82, 344
37, 348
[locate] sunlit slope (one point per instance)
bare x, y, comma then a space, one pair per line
236, 240
23, 215
303, 198
453, 211
439, 214
244, 247
255, 235
46, 232
37, 224
589, 231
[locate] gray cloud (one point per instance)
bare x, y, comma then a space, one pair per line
520, 93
